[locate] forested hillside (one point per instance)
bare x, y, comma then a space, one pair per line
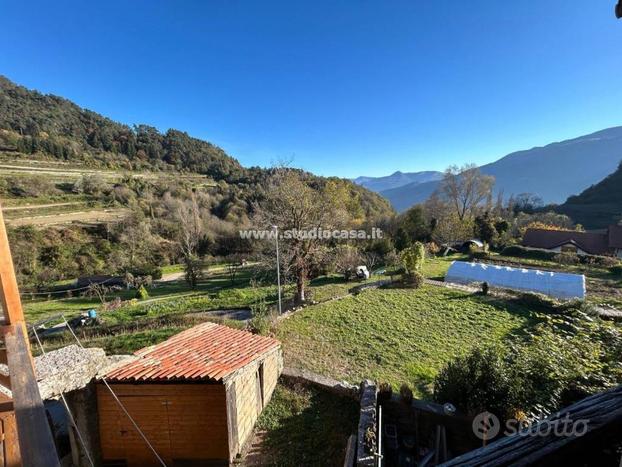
60, 157
598, 206
61, 128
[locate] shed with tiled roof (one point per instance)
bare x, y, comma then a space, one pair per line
196, 397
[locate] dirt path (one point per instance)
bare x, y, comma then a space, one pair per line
95, 216
25, 207
171, 276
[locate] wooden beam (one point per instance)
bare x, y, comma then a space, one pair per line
3, 358
9, 293
6, 407
35, 438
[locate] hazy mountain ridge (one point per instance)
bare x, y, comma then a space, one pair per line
554, 172
397, 179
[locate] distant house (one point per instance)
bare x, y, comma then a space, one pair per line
195, 396
605, 242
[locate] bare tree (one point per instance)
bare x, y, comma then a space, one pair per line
234, 263
465, 188
372, 259
293, 206
191, 231
347, 259
100, 290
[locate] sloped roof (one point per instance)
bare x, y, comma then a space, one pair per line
205, 352
615, 236
591, 242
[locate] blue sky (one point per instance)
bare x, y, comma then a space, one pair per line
340, 88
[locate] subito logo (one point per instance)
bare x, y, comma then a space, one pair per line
486, 425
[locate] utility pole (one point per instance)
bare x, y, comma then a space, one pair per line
278, 265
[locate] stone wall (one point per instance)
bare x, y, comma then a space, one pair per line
340, 388
244, 393
367, 442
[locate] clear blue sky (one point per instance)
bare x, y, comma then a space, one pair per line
344, 88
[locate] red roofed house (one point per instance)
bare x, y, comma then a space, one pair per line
606, 242
196, 397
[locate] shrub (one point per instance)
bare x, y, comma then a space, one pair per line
602, 261
414, 279
485, 288
566, 258
413, 257
406, 394
537, 301
385, 391
260, 325
141, 293
528, 253
477, 382
261, 321
616, 270
479, 255
432, 248
561, 361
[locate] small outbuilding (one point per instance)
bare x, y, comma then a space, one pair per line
196, 397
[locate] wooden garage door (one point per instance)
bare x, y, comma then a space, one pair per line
187, 424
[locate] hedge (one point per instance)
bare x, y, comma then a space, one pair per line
546, 255
528, 253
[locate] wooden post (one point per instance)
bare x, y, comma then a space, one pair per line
36, 444
9, 293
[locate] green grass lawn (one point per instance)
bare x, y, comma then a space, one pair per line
306, 426
435, 268
176, 297
396, 335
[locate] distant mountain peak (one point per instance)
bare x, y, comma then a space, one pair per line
553, 172
397, 179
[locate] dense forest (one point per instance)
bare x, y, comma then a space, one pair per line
62, 129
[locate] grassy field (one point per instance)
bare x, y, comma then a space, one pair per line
397, 335
390, 334
176, 297
305, 426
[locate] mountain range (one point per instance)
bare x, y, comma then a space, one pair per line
554, 172
397, 179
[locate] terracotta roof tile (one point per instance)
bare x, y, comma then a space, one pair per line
205, 352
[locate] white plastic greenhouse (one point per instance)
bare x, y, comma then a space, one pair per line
555, 284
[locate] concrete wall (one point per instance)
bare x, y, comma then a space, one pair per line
83, 406
244, 401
